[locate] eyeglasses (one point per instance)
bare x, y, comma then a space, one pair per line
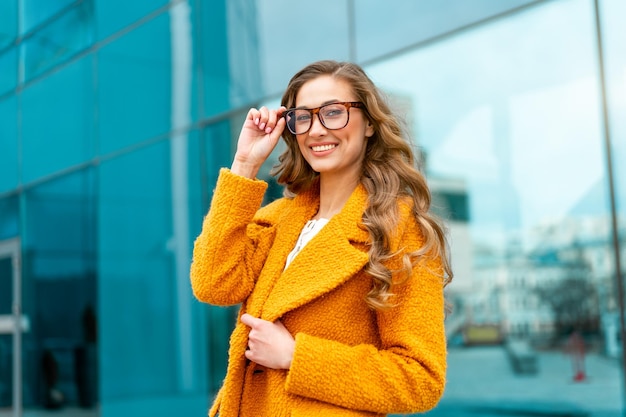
333, 116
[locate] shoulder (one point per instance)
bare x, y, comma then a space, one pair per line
272, 212
288, 208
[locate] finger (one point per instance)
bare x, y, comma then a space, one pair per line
249, 320
278, 129
264, 117
271, 121
253, 115
277, 117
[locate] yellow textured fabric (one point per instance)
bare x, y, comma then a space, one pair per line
349, 360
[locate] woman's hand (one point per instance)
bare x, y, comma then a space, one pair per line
258, 138
269, 344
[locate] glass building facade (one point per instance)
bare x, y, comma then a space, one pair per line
115, 117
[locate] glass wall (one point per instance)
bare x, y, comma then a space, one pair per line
116, 116
126, 116
59, 292
57, 121
104, 177
523, 142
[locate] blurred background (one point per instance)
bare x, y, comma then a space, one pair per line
115, 117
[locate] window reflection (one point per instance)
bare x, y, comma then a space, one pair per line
59, 351
509, 121
9, 217
135, 86
36, 12
59, 40
293, 34
8, 70
136, 271
57, 121
8, 22
416, 21
8, 145
114, 15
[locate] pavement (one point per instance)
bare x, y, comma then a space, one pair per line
481, 382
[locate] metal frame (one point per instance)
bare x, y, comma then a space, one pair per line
11, 249
608, 143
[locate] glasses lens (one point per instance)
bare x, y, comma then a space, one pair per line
334, 116
298, 121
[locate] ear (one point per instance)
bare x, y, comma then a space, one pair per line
369, 129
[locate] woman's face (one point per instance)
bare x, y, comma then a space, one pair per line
333, 152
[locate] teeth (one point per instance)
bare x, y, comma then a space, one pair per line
322, 148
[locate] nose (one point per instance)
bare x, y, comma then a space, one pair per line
317, 128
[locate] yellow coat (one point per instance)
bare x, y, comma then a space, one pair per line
349, 360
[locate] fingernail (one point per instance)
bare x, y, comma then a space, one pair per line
262, 126
268, 130
256, 121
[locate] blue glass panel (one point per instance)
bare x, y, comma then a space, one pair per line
8, 22
407, 22
60, 220
58, 40
36, 12
8, 144
151, 348
135, 227
9, 217
510, 121
244, 50
184, 74
8, 70
293, 34
229, 54
57, 121
58, 286
113, 15
134, 86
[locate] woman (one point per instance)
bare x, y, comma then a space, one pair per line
341, 281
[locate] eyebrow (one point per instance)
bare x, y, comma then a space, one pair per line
335, 100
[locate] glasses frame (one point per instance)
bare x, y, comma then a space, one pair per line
316, 110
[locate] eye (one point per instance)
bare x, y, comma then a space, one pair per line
333, 111
302, 116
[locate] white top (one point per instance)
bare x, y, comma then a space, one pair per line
310, 229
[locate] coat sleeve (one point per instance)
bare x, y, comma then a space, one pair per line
227, 256
406, 374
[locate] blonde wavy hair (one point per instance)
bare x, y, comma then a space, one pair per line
389, 175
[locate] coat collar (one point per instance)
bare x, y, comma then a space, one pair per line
331, 258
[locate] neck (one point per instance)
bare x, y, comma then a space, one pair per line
333, 195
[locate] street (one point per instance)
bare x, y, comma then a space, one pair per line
482, 383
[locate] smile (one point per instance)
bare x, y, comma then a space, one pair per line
323, 148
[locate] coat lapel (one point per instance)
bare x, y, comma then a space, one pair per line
326, 262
